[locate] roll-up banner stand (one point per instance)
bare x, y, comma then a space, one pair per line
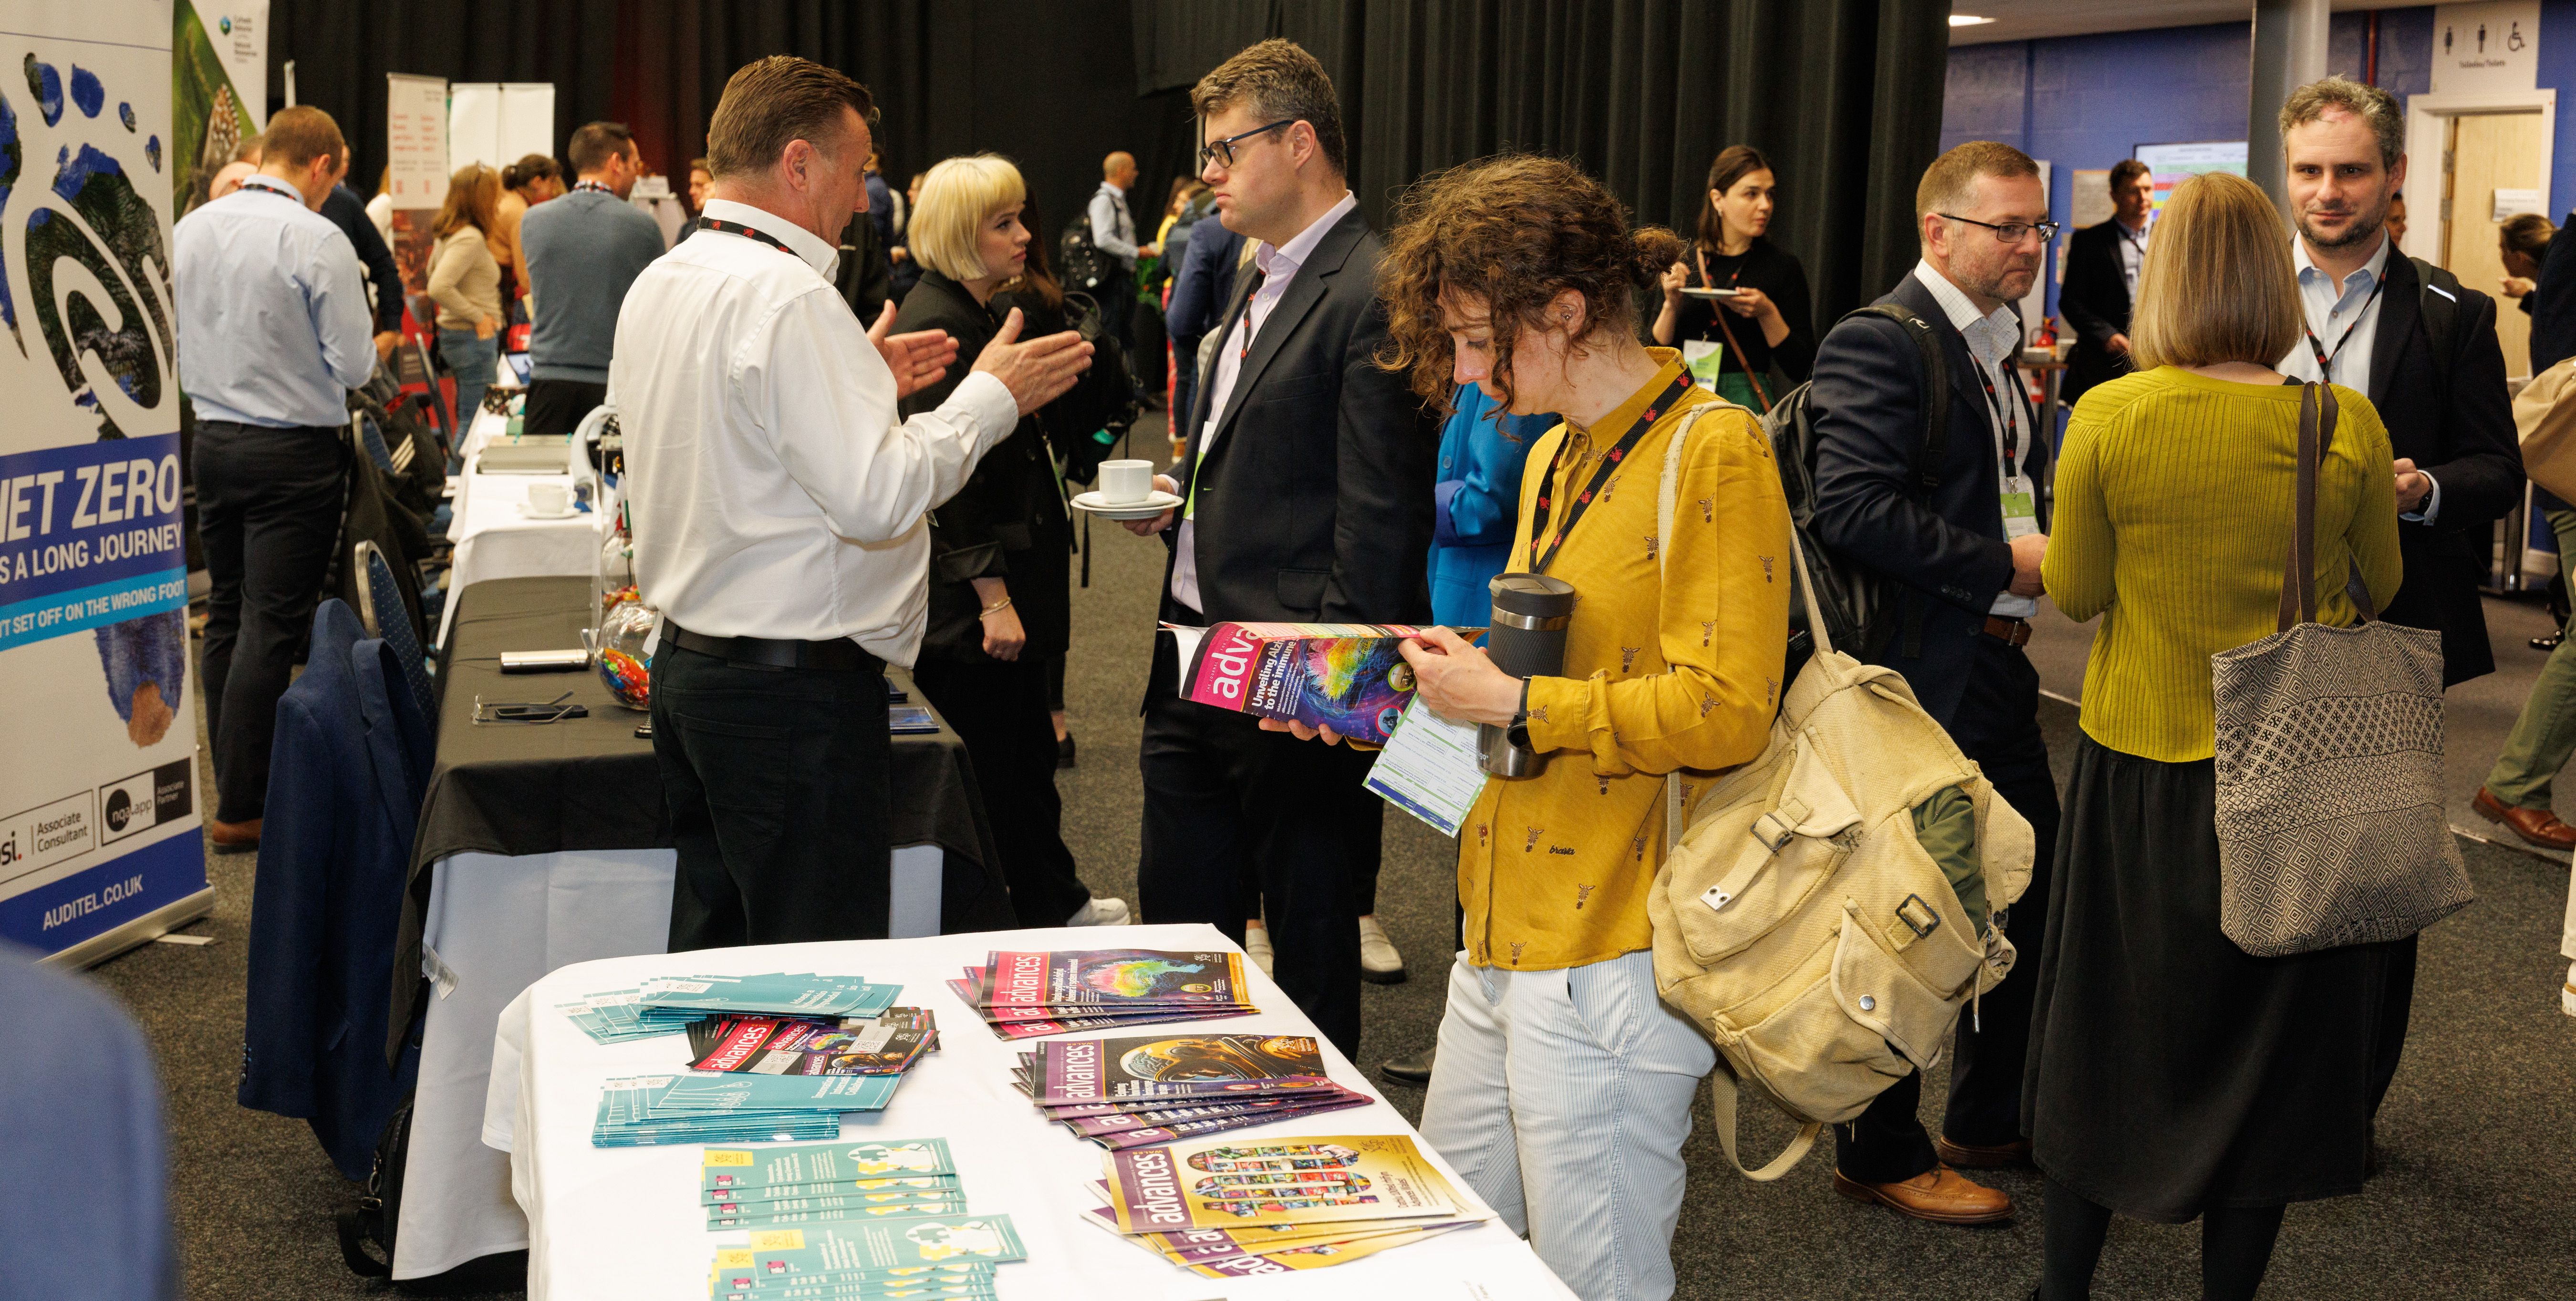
99, 806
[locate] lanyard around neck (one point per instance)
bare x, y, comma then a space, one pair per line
750, 233
278, 188
592, 187
2325, 359
2004, 413
1610, 462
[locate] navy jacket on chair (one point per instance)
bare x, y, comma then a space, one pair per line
346, 777
1867, 403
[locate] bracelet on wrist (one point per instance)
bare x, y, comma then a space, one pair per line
996, 607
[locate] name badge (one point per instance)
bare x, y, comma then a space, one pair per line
2021, 507
1700, 357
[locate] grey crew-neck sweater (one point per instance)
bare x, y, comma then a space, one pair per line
583, 251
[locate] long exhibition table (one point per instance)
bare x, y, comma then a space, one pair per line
625, 1223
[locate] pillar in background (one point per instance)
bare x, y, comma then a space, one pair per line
2289, 52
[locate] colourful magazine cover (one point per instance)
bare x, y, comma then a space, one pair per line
1092, 1070
1111, 980
1221, 1183
883, 1045
1346, 676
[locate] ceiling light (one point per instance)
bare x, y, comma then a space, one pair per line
1968, 20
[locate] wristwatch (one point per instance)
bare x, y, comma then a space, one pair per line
1518, 731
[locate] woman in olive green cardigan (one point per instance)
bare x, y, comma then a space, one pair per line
2172, 1075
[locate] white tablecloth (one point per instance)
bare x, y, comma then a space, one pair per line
624, 1222
496, 925
495, 539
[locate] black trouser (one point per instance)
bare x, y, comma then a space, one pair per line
268, 509
778, 782
1997, 726
2396, 1008
556, 406
1118, 311
1220, 793
1000, 710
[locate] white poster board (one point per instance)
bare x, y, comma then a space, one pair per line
416, 140
2486, 47
99, 811
499, 123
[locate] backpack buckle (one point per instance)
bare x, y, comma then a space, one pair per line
1913, 907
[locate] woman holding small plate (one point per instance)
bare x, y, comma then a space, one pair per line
1736, 304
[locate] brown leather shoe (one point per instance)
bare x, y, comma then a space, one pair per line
233, 837
1966, 1156
1941, 1195
2536, 826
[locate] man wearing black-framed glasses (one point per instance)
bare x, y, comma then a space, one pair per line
1306, 497
1959, 537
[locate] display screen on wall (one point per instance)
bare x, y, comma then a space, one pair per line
2173, 164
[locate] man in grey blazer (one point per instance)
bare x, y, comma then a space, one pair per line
1307, 498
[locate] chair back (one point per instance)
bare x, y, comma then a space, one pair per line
372, 439
381, 611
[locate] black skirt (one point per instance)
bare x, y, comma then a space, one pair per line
2170, 1071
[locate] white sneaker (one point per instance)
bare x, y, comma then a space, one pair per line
1256, 946
1380, 964
1100, 912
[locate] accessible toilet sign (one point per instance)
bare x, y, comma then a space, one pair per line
2486, 47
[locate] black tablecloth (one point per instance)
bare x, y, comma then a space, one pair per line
591, 783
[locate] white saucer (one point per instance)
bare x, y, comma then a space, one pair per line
526, 513
1155, 503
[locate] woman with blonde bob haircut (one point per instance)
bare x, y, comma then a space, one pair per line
2171, 1075
999, 608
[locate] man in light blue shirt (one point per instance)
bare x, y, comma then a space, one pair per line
274, 331
1113, 231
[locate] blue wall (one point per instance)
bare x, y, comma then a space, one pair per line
2087, 101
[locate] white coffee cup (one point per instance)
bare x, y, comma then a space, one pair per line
549, 498
1125, 482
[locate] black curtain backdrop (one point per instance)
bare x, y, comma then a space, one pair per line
342, 52
1843, 95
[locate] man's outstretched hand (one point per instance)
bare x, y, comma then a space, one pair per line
918, 359
1037, 372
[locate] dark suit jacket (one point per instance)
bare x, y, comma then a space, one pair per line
1867, 404
346, 780
2465, 439
2095, 301
349, 212
1008, 521
1314, 503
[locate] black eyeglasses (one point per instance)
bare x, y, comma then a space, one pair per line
1222, 151
2011, 232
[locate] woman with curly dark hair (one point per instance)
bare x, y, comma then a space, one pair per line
1562, 1086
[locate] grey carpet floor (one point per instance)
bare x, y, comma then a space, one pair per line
2480, 1128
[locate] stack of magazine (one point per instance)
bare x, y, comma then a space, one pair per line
883, 1218
1231, 1209
672, 1004
1122, 1093
771, 1057
1023, 995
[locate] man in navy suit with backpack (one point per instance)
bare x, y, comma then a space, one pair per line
1927, 460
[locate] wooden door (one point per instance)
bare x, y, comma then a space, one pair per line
2489, 151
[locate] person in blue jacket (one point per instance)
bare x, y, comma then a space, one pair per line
1479, 497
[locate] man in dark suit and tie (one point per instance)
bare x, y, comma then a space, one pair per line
1307, 491
2422, 347
1963, 542
2102, 266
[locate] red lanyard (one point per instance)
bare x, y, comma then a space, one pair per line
2325, 359
747, 232
1610, 462
2004, 414
593, 187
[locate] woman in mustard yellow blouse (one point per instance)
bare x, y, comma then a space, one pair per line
1562, 1086
2172, 1075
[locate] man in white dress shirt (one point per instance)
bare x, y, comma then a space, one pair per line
1113, 231
778, 509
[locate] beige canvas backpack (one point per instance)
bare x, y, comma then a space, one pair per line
1798, 922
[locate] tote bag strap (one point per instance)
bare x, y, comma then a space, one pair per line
2299, 569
